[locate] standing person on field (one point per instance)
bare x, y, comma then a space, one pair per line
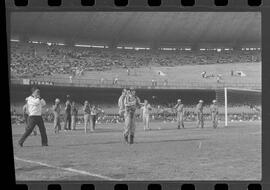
199, 111
56, 113
86, 112
93, 117
180, 113
121, 103
26, 115
146, 108
214, 113
132, 102
74, 113
67, 116
34, 105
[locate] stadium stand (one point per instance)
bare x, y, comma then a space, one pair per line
28, 59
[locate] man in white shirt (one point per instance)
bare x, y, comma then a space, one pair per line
146, 108
34, 105
26, 115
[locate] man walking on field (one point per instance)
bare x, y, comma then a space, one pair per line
199, 111
214, 113
26, 115
34, 105
132, 102
180, 113
146, 108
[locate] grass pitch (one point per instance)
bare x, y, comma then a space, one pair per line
164, 153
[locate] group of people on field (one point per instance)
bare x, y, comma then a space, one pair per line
71, 113
179, 107
128, 102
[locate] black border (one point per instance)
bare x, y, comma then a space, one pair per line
141, 5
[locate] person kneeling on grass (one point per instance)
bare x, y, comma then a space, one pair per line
35, 104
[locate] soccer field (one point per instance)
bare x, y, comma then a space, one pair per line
164, 153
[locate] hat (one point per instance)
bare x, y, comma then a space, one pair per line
179, 100
201, 101
57, 100
214, 101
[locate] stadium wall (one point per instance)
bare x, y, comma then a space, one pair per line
110, 96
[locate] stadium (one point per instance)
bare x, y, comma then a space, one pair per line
164, 56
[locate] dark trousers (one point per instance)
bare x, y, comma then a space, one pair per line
26, 124
26, 120
67, 124
93, 122
32, 122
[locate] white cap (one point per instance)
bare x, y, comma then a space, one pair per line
179, 100
214, 101
201, 101
57, 100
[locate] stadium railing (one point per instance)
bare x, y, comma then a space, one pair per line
82, 82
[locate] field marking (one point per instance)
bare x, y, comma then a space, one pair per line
255, 133
67, 169
220, 162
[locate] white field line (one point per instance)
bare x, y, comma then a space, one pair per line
66, 169
255, 133
220, 162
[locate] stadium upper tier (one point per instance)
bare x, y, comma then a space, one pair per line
144, 28
28, 59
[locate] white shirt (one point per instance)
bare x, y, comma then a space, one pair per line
35, 106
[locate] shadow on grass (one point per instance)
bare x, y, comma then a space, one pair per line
138, 142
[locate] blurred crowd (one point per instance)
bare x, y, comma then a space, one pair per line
159, 113
28, 59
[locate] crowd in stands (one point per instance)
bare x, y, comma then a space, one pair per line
28, 59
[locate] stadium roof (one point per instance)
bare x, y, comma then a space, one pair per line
148, 28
